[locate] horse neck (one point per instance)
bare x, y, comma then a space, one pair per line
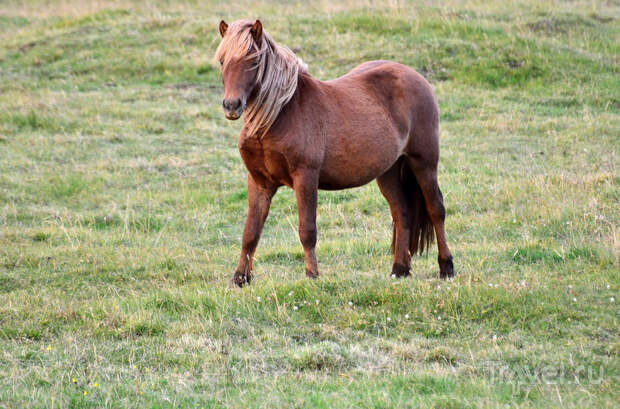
290, 112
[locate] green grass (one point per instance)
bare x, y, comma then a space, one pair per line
122, 200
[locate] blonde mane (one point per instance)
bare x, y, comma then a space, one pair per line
278, 69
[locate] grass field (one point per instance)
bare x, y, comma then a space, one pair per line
122, 200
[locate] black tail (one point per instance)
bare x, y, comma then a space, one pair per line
422, 233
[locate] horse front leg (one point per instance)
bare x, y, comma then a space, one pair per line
306, 186
259, 201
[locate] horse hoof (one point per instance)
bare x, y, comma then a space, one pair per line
311, 274
240, 279
400, 271
446, 268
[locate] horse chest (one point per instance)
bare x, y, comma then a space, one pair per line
267, 166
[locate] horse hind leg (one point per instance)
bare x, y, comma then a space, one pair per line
391, 188
426, 177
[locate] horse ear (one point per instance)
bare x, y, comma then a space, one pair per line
223, 28
257, 30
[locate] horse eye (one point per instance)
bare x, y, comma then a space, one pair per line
221, 62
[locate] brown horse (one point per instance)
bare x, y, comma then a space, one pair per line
379, 121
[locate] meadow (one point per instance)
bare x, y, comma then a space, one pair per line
122, 202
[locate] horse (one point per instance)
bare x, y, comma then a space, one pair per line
379, 121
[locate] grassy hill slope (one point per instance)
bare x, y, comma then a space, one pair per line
122, 200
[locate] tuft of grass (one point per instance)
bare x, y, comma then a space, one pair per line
147, 328
324, 356
41, 236
32, 121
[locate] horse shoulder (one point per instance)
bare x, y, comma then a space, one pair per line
298, 132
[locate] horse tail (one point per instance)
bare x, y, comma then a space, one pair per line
421, 228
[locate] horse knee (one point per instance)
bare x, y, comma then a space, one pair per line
249, 244
436, 210
307, 236
440, 211
402, 219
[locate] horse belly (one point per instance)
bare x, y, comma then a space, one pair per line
358, 159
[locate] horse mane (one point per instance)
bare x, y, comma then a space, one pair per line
278, 69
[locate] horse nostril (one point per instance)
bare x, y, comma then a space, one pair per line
231, 105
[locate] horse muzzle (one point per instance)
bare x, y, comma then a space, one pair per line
233, 116
233, 108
